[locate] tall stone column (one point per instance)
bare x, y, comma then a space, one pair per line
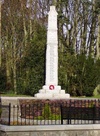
51, 89
52, 49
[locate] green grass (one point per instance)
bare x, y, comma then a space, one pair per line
14, 95
97, 96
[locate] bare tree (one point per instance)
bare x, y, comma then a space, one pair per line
98, 39
0, 34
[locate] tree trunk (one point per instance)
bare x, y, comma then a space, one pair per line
8, 65
98, 39
0, 36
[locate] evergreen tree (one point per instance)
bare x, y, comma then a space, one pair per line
33, 63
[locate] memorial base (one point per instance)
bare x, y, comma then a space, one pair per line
56, 93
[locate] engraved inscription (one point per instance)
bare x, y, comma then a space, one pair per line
51, 63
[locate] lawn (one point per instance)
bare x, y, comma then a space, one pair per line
14, 95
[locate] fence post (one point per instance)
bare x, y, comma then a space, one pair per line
9, 119
69, 113
94, 114
61, 115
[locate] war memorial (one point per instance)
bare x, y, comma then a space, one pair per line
21, 117
51, 89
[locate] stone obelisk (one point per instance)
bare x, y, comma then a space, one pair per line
52, 49
51, 88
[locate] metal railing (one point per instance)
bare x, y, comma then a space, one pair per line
52, 113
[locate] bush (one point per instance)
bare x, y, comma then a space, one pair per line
2, 80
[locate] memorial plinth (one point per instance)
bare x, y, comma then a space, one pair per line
51, 89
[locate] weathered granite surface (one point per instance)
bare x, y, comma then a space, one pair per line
56, 133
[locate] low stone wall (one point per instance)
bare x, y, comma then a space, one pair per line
47, 130
53, 130
13, 100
